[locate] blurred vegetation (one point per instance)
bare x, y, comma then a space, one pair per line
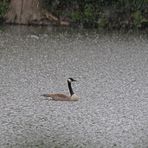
118, 14
3, 8
108, 14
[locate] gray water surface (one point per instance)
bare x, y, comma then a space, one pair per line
112, 74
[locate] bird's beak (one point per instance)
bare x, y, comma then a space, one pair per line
74, 80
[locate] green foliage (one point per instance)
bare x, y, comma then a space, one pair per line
138, 19
134, 13
87, 17
102, 13
3, 7
76, 16
131, 4
97, 13
103, 22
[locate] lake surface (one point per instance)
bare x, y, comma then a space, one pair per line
111, 70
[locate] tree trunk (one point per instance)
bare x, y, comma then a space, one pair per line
28, 12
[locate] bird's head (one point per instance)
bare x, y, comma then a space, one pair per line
71, 80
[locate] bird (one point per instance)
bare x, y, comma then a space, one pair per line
63, 97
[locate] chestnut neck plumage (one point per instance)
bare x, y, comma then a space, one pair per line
70, 88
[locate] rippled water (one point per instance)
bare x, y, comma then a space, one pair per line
112, 74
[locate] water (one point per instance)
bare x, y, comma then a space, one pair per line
111, 70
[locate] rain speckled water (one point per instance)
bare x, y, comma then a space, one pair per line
112, 74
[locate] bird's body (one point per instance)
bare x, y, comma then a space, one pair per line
63, 97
